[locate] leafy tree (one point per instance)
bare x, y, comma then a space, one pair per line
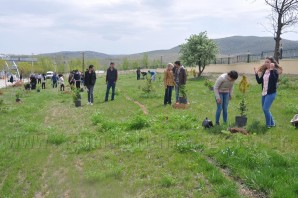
199, 50
125, 64
145, 61
284, 15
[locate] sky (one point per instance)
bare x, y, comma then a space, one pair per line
124, 26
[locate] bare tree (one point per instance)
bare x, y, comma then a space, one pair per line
284, 15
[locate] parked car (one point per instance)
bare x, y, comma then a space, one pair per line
49, 75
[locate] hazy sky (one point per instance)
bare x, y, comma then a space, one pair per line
123, 26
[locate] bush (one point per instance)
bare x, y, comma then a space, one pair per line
97, 118
56, 138
148, 87
138, 122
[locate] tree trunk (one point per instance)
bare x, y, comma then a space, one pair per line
201, 69
277, 38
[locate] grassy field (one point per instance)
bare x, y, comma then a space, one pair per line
136, 147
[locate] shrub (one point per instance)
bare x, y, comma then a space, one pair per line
57, 138
138, 122
148, 87
167, 181
97, 118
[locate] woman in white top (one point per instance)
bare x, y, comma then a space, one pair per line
61, 82
223, 90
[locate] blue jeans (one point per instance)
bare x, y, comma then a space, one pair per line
168, 95
109, 85
267, 101
177, 93
223, 106
90, 93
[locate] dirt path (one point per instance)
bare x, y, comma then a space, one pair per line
243, 190
138, 103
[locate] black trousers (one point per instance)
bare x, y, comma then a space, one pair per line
78, 84
43, 85
62, 87
168, 95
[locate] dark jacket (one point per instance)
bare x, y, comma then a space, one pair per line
181, 76
112, 75
90, 78
271, 83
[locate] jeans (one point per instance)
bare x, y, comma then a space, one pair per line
90, 93
267, 101
109, 85
223, 106
177, 93
168, 95
62, 87
54, 84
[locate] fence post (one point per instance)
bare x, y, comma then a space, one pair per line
248, 57
229, 60
262, 55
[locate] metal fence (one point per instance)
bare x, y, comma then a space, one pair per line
247, 58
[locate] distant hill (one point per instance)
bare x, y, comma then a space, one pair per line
234, 45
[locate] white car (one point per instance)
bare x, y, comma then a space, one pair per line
49, 75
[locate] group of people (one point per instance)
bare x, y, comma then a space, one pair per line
174, 76
266, 75
111, 79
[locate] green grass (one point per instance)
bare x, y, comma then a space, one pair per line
49, 148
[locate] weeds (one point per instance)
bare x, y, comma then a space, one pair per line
257, 128
138, 122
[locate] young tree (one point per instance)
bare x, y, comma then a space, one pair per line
199, 50
284, 15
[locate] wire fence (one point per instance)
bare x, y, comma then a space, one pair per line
247, 58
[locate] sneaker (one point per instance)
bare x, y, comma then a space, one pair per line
88, 103
268, 127
91, 103
273, 125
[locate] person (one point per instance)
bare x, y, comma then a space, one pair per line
77, 78
54, 80
153, 74
138, 73
268, 79
11, 79
61, 82
168, 83
223, 90
180, 79
33, 81
89, 82
39, 79
43, 81
71, 79
111, 79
